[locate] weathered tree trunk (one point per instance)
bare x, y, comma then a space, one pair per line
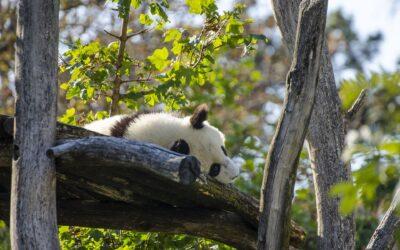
383, 237
33, 222
282, 160
325, 141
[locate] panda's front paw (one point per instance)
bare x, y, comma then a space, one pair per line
189, 170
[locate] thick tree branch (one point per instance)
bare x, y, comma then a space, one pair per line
175, 167
383, 237
282, 160
118, 183
325, 141
212, 224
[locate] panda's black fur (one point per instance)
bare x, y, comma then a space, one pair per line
119, 129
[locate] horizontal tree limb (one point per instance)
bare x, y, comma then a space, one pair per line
212, 224
110, 176
144, 156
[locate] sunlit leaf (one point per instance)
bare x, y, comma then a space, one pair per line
145, 19
159, 58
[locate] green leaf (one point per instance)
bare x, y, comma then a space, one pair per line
392, 147
194, 6
151, 99
136, 3
64, 86
157, 9
101, 115
177, 48
159, 58
123, 7
209, 58
90, 92
145, 19
172, 34
350, 89
255, 75
348, 193
69, 117
234, 27
302, 194
73, 91
259, 37
347, 204
217, 42
198, 6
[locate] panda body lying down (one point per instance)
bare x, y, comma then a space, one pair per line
186, 135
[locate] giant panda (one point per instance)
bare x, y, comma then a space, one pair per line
186, 135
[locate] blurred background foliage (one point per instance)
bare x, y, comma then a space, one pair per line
192, 52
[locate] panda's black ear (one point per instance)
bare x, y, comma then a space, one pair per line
181, 146
199, 116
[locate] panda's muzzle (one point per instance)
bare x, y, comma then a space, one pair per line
229, 171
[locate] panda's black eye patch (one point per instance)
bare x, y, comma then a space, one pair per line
181, 146
214, 170
224, 150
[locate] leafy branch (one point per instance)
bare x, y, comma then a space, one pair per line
121, 50
98, 71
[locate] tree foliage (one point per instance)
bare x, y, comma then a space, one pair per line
192, 52
165, 75
373, 144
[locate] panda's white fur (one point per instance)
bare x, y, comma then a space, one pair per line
165, 129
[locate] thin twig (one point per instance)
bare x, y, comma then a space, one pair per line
137, 80
62, 59
138, 33
113, 35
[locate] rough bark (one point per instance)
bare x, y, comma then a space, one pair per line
383, 237
179, 168
33, 222
282, 159
325, 141
128, 195
208, 223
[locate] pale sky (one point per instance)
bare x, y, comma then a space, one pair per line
376, 15
369, 16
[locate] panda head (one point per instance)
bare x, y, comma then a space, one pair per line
207, 143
